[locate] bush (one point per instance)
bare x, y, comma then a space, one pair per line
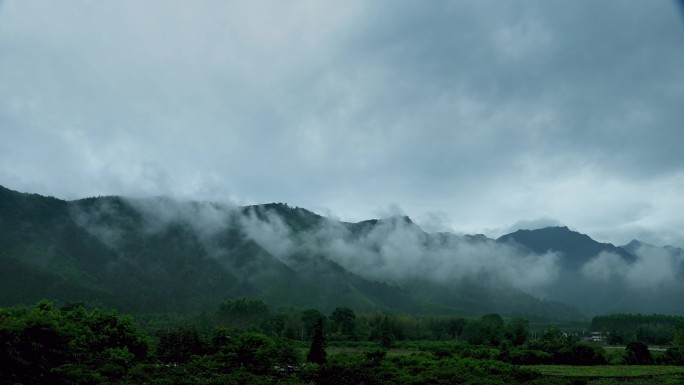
615, 357
673, 356
481, 353
580, 354
530, 357
375, 356
637, 353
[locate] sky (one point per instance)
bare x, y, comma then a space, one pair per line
468, 116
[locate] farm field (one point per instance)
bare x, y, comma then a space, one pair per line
608, 370
614, 374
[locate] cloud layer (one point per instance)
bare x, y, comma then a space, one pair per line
654, 268
468, 115
392, 250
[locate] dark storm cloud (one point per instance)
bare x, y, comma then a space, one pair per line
476, 113
590, 80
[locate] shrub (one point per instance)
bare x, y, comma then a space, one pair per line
637, 353
673, 356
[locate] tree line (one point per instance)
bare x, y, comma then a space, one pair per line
657, 329
242, 342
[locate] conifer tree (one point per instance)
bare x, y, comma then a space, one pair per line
317, 351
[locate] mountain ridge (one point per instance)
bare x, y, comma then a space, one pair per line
581, 246
162, 255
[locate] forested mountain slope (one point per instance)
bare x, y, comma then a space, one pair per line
602, 278
161, 255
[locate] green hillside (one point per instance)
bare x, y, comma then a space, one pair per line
159, 255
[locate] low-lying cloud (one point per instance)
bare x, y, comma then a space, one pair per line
654, 268
392, 249
396, 249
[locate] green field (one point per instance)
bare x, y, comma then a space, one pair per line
612, 371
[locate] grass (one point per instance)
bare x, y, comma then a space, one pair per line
332, 350
612, 371
635, 381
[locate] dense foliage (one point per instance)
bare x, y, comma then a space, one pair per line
67, 345
656, 329
158, 255
246, 344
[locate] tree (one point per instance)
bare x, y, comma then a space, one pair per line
244, 314
277, 323
554, 340
385, 333
45, 345
33, 343
294, 327
581, 354
311, 317
179, 344
517, 331
317, 350
657, 329
285, 356
615, 337
455, 326
678, 338
637, 353
673, 356
255, 352
488, 330
344, 321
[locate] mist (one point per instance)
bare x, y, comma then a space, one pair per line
654, 268
392, 249
396, 249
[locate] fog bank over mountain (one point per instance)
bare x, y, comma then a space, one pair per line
163, 253
395, 249
391, 249
654, 268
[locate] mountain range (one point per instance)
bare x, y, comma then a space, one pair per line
161, 255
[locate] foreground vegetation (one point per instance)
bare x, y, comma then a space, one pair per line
243, 343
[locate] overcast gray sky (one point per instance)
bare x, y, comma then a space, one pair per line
469, 116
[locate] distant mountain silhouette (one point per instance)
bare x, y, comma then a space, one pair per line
578, 285
576, 249
634, 246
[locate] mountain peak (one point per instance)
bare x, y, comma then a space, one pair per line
401, 218
476, 238
576, 248
554, 233
558, 229
394, 220
634, 243
296, 217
